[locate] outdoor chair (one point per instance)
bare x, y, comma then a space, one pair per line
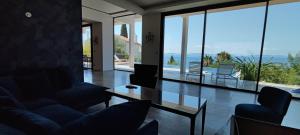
194, 70
226, 71
144, 75
274, 104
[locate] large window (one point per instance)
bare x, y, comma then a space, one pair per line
232, 47
172, 47
281, 54
182, 46
127, 41
246, 47
87, 46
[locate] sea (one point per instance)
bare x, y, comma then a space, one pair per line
197, 57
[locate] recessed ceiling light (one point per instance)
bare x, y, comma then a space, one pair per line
28, 14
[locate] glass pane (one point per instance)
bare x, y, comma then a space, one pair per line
172, 47
183, 46
138, 41
281, 54
87, 46
232, 48
194, 47
127, 41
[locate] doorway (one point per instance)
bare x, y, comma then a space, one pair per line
87, 56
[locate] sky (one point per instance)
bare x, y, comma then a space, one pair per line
138, 30
239, 32
86, 33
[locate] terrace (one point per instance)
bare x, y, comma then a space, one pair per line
247, 38
209, 79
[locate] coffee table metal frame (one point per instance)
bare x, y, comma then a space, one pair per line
189, 115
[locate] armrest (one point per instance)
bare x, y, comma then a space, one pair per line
150, 128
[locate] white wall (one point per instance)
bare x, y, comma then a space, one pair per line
150, 50
107, 35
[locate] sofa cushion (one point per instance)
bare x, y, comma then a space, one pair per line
59, 113
7, 130
38, 103
257, 112
30, 123
119, 119
10, 84
8, 100
82, 95
34, 85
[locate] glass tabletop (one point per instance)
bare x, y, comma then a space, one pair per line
177, 101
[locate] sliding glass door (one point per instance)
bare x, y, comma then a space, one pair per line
127, 41
183, 46
245, 47
233, 45
281, 53
87, 46
172, 47
194, 47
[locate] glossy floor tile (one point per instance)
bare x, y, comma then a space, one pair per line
220, 106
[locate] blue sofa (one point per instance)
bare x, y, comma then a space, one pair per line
48, 101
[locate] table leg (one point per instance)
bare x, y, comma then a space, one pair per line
192, 129
106, 104
203, 119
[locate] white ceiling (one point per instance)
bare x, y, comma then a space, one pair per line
150, 3
102, 6
126, 7
105, 7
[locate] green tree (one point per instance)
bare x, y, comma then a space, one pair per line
124, 32
294, 61
223, 57
274, 73
248, 68
207, 60
172, 61
294, 71
87, 48
120, 47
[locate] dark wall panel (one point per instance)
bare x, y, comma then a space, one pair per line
50, 38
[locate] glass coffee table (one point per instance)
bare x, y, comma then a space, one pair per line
176, 102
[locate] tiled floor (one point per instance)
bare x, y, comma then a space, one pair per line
220, 105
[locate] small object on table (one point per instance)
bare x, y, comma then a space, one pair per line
131, 86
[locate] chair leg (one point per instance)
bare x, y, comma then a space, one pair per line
106, 103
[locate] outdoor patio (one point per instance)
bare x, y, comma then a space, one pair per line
209, 78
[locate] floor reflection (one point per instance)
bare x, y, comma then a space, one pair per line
220, 103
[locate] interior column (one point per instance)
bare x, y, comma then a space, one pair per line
185, 27
131, 41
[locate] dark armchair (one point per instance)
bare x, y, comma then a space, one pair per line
144, 75
274, 104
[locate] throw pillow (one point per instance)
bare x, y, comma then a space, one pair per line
9, 83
